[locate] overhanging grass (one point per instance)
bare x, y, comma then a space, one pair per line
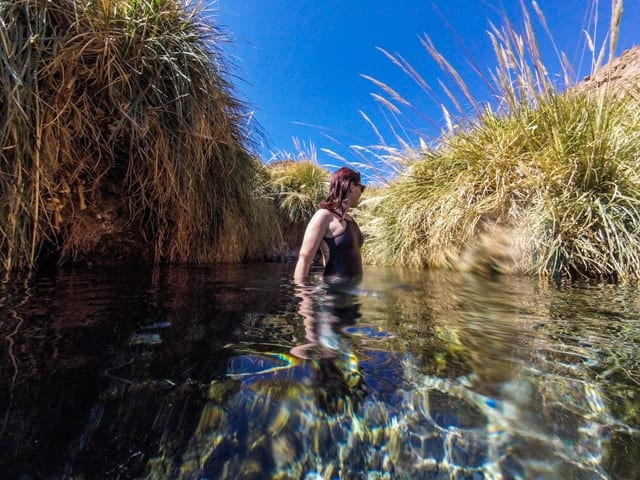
127, 98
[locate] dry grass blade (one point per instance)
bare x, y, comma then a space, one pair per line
448, 68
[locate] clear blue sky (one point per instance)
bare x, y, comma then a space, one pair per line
300, 63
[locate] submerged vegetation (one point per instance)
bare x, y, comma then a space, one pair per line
122, 109
546, 183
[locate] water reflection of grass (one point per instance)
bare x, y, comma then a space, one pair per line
541, 357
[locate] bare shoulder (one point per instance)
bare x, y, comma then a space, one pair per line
322, 215
319, 223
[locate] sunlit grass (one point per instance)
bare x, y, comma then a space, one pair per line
298, 187
542, 183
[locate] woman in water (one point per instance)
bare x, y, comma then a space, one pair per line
333, 226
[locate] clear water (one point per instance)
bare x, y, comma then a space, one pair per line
233, 373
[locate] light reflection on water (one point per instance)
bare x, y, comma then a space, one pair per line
232, 372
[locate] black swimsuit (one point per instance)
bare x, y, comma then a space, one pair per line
344, 252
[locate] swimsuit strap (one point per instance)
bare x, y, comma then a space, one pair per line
346, 225
342, 216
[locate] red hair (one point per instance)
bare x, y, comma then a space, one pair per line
339, 189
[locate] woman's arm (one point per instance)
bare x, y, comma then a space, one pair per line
316, 230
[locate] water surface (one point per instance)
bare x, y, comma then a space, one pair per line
234, 372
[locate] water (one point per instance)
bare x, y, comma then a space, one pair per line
231, 372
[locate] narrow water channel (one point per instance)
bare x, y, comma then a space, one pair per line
232, 372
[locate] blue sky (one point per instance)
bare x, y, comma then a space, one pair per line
299, 64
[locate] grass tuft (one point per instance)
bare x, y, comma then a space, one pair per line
124, 98
298, 186
544, 183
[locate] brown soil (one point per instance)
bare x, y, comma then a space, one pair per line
621, 74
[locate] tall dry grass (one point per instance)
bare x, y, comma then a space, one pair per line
542, 182
125, 98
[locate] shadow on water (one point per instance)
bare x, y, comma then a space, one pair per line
234, 372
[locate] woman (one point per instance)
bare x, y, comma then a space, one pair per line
333, 225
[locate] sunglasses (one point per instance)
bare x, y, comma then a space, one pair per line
360, 186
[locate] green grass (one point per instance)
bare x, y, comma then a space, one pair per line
544, 184
298, 187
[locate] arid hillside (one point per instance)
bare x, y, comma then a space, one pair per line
622, 73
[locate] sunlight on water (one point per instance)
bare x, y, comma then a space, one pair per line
233, 372
487, 402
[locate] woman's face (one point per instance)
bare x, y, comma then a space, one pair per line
355, 192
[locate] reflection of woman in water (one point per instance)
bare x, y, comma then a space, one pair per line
325, 310
328, 307
337, 378
333, 228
